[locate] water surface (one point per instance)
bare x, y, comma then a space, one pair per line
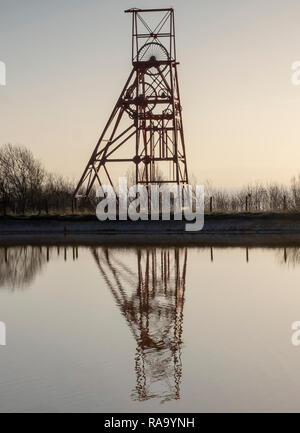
149, 329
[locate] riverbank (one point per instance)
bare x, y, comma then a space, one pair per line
219, 229
213, 223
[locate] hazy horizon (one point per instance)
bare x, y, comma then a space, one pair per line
68, 61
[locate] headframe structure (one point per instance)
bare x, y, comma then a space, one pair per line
145, 128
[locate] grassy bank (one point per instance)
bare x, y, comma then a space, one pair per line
86, 216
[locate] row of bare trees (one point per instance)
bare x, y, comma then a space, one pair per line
26, 187
256, 197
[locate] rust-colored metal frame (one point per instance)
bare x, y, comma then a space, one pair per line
150, 103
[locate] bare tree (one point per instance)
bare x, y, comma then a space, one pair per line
21, 175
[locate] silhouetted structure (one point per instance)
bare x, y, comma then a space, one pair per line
145, 127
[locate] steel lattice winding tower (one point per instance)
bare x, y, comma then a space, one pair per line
145, 127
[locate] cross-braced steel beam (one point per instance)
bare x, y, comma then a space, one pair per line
147, 117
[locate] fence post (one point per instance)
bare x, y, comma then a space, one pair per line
246, 203
210, 204
284, 202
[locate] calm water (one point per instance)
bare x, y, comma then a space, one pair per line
149, 329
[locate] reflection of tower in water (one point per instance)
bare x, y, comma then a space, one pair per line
151, 298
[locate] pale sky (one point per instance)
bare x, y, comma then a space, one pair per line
67, 61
